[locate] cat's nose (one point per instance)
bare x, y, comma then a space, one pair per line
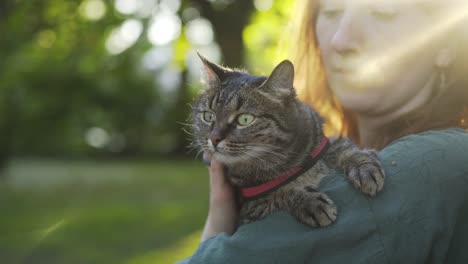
215, 140
216, 136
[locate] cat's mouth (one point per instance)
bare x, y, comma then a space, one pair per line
228, 158
223, 153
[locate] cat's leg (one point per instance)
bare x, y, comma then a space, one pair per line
311, 207
305, 203
254, 210
361, 166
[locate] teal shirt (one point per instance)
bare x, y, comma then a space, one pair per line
421, 216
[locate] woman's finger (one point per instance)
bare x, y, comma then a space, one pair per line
217, 173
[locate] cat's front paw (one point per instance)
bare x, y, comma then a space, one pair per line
367, 177
317, 211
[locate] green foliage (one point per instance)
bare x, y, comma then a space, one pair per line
266, 37
59, 81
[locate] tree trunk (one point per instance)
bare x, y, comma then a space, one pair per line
228, 25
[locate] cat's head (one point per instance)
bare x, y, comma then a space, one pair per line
245, 118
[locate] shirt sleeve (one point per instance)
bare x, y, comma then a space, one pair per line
419, 217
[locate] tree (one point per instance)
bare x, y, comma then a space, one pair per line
58, 81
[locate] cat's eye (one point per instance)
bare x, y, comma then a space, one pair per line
208, 117
245, 119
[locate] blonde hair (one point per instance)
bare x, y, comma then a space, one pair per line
311, 83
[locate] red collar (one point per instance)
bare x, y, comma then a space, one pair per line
262, 189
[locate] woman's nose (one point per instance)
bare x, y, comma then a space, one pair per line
347, 37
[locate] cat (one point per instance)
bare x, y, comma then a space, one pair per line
273, 145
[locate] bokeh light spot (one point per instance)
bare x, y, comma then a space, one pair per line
157, 57
199, 31
263, 5
139, 8
124, 36
172, 5
131, 30
92, 9
46, 38
164, 28
126, 7
97, 137
169, 79
190, 13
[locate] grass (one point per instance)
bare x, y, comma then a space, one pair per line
101, 212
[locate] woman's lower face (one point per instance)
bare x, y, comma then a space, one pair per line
379, 56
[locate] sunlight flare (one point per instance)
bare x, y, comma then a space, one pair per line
390, 58
51, 229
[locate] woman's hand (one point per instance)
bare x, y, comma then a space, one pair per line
223, 212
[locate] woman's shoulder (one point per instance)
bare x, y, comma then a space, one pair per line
429, 154
453, 140
425, 197
431, 166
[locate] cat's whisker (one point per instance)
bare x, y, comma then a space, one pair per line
277, 158
197, 144
201, 150
185, 124
267, 151
189, 139
251, 155
192, 148
252, 145
262, 145
277, 161
261, 160
187, 132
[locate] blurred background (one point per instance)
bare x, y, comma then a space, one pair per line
94, 95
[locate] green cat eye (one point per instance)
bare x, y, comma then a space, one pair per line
245, 119
208, 117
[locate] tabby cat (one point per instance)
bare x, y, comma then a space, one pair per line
273, 145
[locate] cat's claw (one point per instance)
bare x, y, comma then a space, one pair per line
368, 178
319, 210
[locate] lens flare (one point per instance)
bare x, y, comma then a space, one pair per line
452, 18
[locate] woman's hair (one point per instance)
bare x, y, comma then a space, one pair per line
445, 109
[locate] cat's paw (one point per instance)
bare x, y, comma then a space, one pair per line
368, 177
244, 221
318, 210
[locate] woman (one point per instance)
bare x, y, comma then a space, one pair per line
395, 81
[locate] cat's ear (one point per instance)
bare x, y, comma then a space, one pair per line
280, 83
214, 74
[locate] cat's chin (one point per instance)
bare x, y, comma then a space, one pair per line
227, 159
